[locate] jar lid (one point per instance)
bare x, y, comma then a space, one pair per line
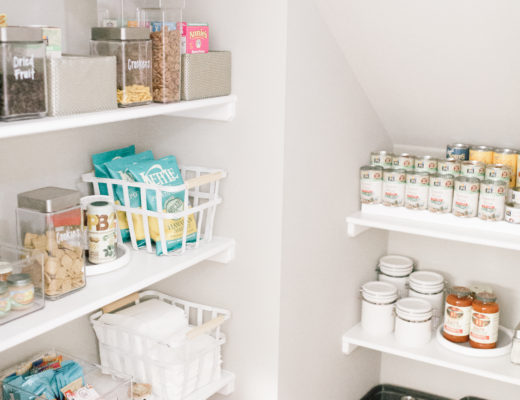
49, 199
3, 287
395, 262
413, 309
20, 34
460, 291
5, 267
102, 33
19, 279
427, 278
379, 292
486, 297
100, 207
482, 148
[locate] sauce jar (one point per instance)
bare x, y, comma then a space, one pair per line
483, 332
5, 270
21, 290
457, 314
5, 299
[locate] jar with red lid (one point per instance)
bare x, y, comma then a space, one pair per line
483, 332
457, 314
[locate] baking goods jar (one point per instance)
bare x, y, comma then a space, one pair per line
382, 158
132, 48
429, 286
6, 269
481, 153
458, 151
483, 333
102, 237
492, 200
457, 314
440, 196
396, 269
417, 188
473, 169
413, 322
394, 184
377, 307
5, 299
512, 214
507, 157
465, 196
21, 291
498, 172
23, 87
371, 184
49, 223
449, 166
426, 164
404, 161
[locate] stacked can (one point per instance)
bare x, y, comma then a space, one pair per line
492, 200
426, 164
371, 184
481, 153
404, 161
473, 169
458, 151
465, 196
449, 166
394, 183
441, 193
509, 158
382, 158
417, 190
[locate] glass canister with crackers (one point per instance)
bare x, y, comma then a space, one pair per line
49, 222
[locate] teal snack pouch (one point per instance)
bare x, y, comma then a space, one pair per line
99, 160
118, 169
165, 172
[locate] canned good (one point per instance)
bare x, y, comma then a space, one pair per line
426, 163
512, 213
507, 157
449, 166
498, 172
473, 169
440, 198
481, 153
465, 196
382, 158
458, 151
371, 184
394, 183
405, 161
417, 188
515, 196
102, 239
492, 200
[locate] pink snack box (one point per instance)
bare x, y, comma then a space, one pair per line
194, 38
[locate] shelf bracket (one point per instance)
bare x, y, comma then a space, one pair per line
225, 256
354, 230
348, 348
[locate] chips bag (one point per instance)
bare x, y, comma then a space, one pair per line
99, 160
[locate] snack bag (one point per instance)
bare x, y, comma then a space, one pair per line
118, 169
99, 160
165, 172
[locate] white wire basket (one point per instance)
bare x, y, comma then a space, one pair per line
201, 192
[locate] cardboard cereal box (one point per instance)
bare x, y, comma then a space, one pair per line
194, 38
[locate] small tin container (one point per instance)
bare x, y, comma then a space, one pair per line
394, 184
507, 157
21, 290
515, 195
404, 161
498, 172
512, 214
426, 163
473, 169
440, 197
417, 189
449, 166
492, 200
102, 237
465, 197
458, 151
5, 299
382, 158
481, 153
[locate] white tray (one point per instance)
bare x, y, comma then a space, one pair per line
123, 258
503, 345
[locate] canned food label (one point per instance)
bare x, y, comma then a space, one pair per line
383, 161
512, 215
458, 153
101, 222
441, 195
406, 163
416, 193
457, 320
473, 171
510, 161
492, 202
465, 199
370, 191
427, 166
503, 174
484, 327
102, 246
452, 168
393, 193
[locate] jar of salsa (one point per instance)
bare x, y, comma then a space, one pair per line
483, 332
457, 314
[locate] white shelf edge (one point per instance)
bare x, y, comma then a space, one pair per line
225, 386
497, 368
215, 108
144, 270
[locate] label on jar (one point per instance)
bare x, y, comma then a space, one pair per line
20, 298
138, 64
102, 247
371, 186
457, 320
23, 68
484, 327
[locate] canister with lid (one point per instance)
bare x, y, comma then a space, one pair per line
404, 161
21, 291
413, 322
396, 269
429, 286
5, 299
507, 157
458, 151
417, 189
440, 196
382, 158
498, 172
449, 166
394, 184
512, 214
481, 153
457, 314
377, 307
371, 184
426, 163
492, 200
465, 196
473, 169
483, 333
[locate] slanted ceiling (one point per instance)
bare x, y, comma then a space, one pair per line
436, 71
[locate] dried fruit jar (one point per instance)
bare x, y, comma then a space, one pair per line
457, 314
23, 87
132, 48
49, 223
483, 333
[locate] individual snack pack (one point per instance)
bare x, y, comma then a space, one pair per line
99, 160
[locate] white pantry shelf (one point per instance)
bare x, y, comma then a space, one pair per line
442, 226
216, 108
497, 368
144, 270
225, 386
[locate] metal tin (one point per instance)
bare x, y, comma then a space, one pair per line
473, 169
20, 34
405, 161
371, 184
382, 158
426, 163
440, 198
515, 195
458, 151
512, 214
102, 33
102, 237
507, 157
449, 166
417, 188
492, 200
394, 184
481, 153
498, 172
465, 196
49, 199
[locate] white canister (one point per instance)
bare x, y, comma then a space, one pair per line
377, 307
429, 286
395, 269
413, 322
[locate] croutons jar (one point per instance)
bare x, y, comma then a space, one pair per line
49, 223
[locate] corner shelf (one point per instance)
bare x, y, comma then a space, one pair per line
144, 270
498, 368
442, 226
216, 108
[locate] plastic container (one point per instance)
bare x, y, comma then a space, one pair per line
132, 48
396, 269
6, 269
23, 87
121, 13
21, 291
49, 223
413, 322
457, 315
429, 286
377, 307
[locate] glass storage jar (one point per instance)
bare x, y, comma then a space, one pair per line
23, 87
5, 299
132, 48
49, 222
457, 314
21, 291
